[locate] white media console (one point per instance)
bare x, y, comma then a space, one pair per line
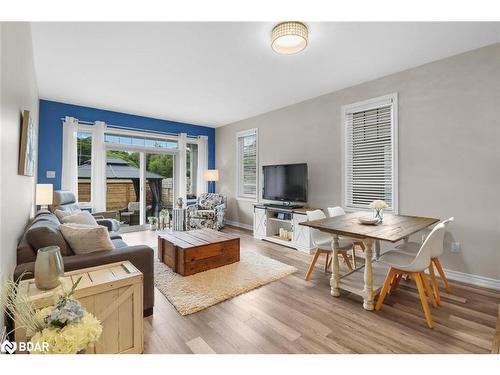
267, 222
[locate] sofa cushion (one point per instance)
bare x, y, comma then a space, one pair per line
61, 214
25, 252
118, 243
85, 239
46, 217
44, 233
82, 217
207, 214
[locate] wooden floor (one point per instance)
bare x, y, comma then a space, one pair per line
295, 316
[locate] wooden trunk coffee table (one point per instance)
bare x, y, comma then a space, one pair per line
198, 250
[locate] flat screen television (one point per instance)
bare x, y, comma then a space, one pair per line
287, 182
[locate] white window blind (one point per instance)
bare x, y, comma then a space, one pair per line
370, 159
247, 164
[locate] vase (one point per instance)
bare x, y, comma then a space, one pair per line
378, 213
49, 267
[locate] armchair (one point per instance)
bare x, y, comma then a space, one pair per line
208, 212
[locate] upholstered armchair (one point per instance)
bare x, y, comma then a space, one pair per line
208, 212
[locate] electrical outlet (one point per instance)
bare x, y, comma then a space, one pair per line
51, 174
455, 247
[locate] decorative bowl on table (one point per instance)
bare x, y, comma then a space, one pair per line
369, 220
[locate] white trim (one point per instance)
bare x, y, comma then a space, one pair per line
365, 105
477, 280
243, 133
239, 225
142, 188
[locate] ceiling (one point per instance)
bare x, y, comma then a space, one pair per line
213, 74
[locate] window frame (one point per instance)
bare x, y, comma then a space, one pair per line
241, 134
381, 101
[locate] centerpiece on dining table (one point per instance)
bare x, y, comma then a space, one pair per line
378, 213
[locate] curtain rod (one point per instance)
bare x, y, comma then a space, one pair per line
128, 128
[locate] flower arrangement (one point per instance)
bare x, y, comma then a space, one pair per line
378, 207
66, 328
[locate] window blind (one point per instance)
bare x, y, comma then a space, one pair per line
247, 165
369, 156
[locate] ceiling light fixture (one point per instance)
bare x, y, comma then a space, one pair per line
289, 37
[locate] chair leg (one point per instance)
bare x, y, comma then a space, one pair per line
395, 283
423, 298
427, 286
354, 256
441, 273
435, 285
313, 262
385, 288
327, 257
346, 260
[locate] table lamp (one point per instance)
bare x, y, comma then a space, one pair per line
211, 175
44, 193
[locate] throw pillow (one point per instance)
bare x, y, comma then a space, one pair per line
82, 217
85, 239
61, 214
42, 234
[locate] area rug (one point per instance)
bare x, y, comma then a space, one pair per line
193, 293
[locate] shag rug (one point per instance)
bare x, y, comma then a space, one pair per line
190, 294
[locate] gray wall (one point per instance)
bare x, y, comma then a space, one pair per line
18, 92
449, 153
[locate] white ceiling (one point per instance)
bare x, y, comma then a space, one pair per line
216, 73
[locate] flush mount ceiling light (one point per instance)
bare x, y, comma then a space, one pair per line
289, 37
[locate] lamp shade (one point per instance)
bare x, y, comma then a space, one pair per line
211, 175
44, 194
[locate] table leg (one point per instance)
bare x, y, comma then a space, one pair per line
368, 276
335, 279
377, 249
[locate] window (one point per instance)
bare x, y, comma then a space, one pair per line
140, 141
84, 156
246, 144
370, 153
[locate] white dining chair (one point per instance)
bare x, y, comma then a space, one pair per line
338, 211
323, 243
411, 248
403, 264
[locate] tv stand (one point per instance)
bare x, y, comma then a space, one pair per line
268, 219
284, 206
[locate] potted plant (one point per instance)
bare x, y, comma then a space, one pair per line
152, 220
164, 218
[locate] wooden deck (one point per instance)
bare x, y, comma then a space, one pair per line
297, 316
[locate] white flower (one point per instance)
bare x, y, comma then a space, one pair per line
378, 204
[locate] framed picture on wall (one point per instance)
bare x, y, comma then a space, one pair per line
27, 146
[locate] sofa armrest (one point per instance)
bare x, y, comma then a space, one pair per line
140, 256
111, 224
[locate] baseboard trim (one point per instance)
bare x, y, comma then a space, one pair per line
239, 225
477, 280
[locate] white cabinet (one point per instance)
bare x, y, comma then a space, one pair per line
301, 234
259, 222
266, 224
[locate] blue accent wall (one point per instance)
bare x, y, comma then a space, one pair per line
50, 133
